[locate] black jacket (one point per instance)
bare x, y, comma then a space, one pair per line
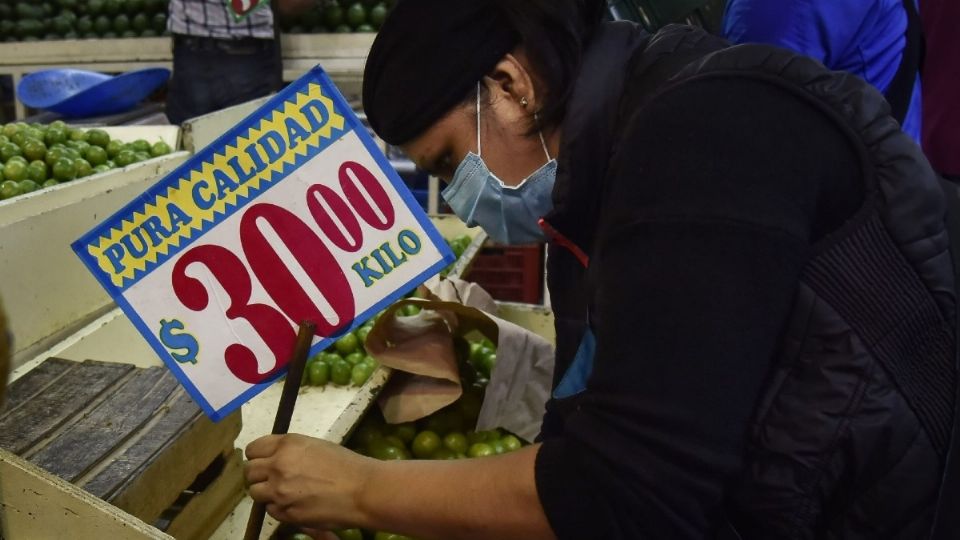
760, 255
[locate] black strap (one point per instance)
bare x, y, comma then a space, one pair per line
946, 525
900, 91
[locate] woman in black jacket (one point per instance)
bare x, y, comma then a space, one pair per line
748, 267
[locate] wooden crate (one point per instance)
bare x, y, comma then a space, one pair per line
130, 436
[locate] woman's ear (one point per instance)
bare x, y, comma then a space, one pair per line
512, 79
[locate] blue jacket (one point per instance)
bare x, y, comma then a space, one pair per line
863, 37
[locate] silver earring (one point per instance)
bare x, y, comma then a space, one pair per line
524, 102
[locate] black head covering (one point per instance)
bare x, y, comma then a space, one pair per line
427, 57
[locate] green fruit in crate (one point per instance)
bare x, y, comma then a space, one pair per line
94, 7
425, 444
9, 130
140, 22
511, 443
82, 167
64, 169
102, 24
356, 15
8, 150
160, 149
9, 189
19, 159
480, 450
390, 536
377, 15
121, 23
142, 156
62, 25
109, 35
78, 146
101, 168
28, 28
160, 23
340, 371
54, 136
125, 157
49, 183
134, 7
149, 32
111, 7
455, 442
355, 358
28, 10
34, 149
84, 25
97, 137
14, 170
130, 34
37, 171
77, 135
362, 333
113, 148
53, 154
384, 451
347, 344
318, 373
365, 28
95, 155
349, 534
360, 374
28, 186
140, 145
343, 29
332, 16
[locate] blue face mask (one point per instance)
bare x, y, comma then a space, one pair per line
510, 215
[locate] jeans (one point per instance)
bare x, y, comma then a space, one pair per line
211, 74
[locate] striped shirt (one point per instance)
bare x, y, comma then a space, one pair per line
214, 19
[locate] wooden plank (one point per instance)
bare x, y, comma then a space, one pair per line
178, 416
147, 492
34, 382
205, 511
107, 426
36, 505
24, 426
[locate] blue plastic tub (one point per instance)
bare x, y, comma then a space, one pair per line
77, 93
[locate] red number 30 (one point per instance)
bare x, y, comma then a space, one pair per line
312, 254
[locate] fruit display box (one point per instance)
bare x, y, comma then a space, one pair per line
341, 55
130, 436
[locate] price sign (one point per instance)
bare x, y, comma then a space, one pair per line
292, 215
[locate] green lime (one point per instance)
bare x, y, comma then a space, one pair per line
20, 138
347, 344
28, 186
135, 6
425, 444
355, 358
54, 154
8, 151
95, 155
340, 372
456, 442
79, 146
82, 167
349, 534
49, 183
142, 156
511, 443
58, 124
149, 32
488, 362
18, 159
54, 136
62, 25
377, 15
97, 137
124, 158
102, 24
34, 149
14, 170
94, 7
360, 373
84, 25
37, 171
443, 453
114, 147
332, 16
480, 450
362, 334
140, 22
356, 15
343, 29
9, 189
140, 145
318, 373
498, 447
384, 451
9, 130
77, 134
64, 169
111, 7
160, 149
160, 23
365, 28
101, 168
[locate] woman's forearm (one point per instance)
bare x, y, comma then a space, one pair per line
494, 497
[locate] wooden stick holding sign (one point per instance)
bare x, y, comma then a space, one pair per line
288, 400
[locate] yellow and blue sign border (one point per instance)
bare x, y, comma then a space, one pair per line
167, 199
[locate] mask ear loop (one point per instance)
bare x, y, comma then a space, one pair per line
536, 118
479, 150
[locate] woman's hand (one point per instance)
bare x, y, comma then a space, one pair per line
306, 481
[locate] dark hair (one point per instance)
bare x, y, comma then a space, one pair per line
554, 34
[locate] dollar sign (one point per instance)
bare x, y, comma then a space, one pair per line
178, 341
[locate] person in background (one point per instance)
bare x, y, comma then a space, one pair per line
941, 86
219, 61
868, 38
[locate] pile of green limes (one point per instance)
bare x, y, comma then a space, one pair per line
35, 156
340, 16
76, 19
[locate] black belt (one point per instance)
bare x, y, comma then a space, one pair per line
239, 46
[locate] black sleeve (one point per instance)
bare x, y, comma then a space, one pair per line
719, 189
